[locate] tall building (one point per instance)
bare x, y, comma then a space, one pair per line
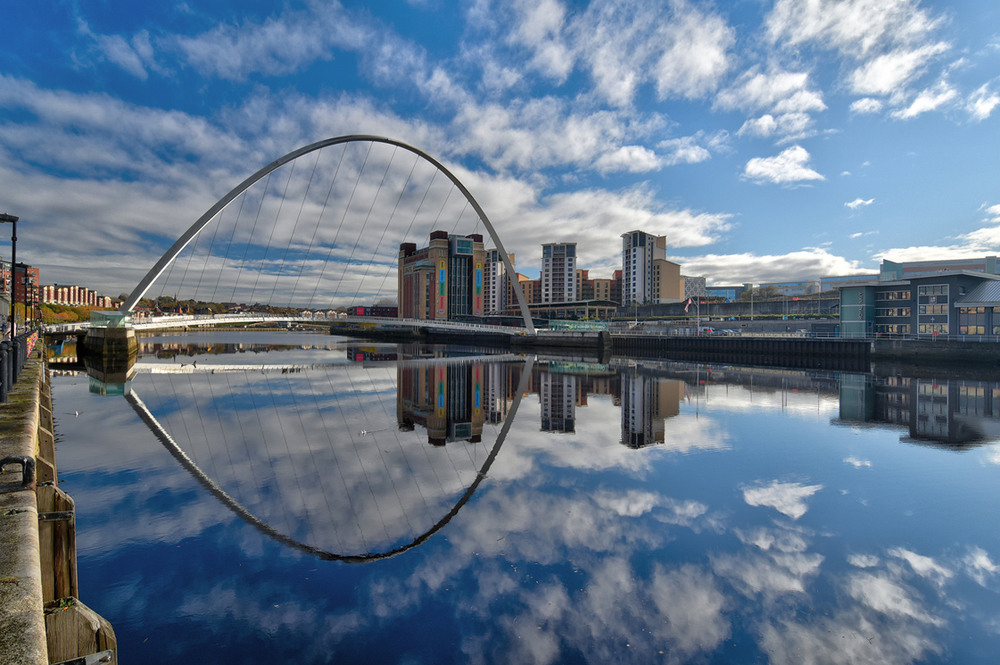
647, 276
558, 278
443, 280
497, 284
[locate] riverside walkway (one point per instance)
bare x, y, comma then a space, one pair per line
41, 618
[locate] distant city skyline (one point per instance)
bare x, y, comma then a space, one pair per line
769, 141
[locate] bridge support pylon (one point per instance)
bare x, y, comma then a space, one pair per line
111, 345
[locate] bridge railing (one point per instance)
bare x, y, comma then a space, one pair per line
435, 323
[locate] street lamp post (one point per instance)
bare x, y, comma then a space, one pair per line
4, 217
28, 294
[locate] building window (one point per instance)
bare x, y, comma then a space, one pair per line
972, 320
933, 290
932, 328
893, 329
893, 311
892, 295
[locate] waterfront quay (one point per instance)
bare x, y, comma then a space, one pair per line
763, 347
42, 619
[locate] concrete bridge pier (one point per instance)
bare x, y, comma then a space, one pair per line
111, 343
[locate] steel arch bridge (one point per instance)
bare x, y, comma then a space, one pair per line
212, 213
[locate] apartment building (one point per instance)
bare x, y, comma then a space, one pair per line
558, 275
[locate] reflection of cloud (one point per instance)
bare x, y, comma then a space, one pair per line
691, 604
845, 639
786, 498
922, 565
857, 463
781, 540
768, 573
863, 560
979, 566
888, 597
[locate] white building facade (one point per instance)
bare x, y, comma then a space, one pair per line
640, 251
558, 277
496, 283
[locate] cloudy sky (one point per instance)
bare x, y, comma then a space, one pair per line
767, 139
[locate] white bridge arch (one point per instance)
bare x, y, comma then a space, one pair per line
154, 273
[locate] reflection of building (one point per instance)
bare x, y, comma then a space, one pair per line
499, 386
557, 394
443, 280
371, 353
446, 399
646, 402
952, 412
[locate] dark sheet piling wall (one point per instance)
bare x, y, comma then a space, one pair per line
836, 354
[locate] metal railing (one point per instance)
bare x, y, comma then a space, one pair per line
13, 355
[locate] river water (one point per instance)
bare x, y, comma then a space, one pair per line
284, 497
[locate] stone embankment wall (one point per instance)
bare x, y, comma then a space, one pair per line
41, 619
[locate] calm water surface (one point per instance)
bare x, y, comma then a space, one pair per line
302, 498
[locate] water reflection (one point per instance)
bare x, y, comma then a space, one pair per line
638, 511
953, 412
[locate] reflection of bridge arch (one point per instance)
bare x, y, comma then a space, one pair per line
246, 515
140, 290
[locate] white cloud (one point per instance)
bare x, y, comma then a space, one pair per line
778, 91
630, 158
888, 45
982, 102
623, 44
927, 100
994, 212
788, 126
889, 73
787, 498
695, 52
859, 203
539, 26
684, 150
742, 268
856, 28
857, 463
866, 105
787, 167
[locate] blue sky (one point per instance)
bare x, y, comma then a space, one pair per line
769, 140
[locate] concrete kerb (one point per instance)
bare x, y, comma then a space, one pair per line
22, 622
